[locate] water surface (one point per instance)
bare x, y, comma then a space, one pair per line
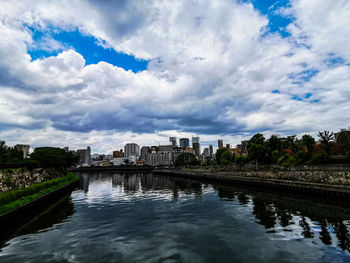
133, 217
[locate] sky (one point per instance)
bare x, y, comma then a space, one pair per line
105, 73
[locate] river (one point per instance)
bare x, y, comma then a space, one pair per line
141, 217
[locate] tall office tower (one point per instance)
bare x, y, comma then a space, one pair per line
131, 149
184, 143
173, 141
220, 144
196, 146
211, 150
145, 150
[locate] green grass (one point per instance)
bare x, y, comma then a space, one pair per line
15, 198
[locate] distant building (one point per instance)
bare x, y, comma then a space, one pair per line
173, 141
131, 149
184, 143
206, 152
118, 154
228, 146
24, 148
211, 150
176, 153
196, 146
145, 151
165, 148
220, 144
160, 158
85, 155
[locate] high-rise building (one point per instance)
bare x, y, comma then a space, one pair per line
184, 143
173, 141
220, 144
206, 152
85, 155
196, 146
211, 150
131, 149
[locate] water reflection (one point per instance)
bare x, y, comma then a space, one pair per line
136, 217
275, 214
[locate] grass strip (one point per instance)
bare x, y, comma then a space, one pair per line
15, 198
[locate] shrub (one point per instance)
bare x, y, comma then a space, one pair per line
286, 160
319, 158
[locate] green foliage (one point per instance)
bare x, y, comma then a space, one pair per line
259, 152
275, 155
344, 139
239, 159
9, 154
31, 164
226, 157
15, 198
50, 157
219, 152
309, 142
319, 158
186, 159
302, 157
275, 143
326, 139
286, 160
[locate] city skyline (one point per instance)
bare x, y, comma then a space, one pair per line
107, 73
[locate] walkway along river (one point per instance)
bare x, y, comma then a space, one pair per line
142, 217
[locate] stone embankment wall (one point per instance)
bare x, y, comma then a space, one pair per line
326, 177
11, 179
323, 177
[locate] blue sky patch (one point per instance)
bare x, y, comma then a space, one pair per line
269, 8
52, 42
303, 76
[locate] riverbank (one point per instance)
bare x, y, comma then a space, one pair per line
330, 183
11, 201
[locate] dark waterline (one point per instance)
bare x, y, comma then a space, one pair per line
133, 217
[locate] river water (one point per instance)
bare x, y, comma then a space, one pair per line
134, 217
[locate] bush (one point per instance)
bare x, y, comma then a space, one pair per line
239, 159
286, 160
302, 157
319, 158
31, 164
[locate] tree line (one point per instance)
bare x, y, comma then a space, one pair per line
290, 150
46, 157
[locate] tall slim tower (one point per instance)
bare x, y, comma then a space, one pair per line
220, 144
196, 146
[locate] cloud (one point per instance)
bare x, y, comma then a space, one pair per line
213, 70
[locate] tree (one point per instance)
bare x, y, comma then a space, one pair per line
186, 159
292, 142
309, 142
9, 154
344, 139
326, 139
219, 153
50, 157
226, 158
275, 143
258, 149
